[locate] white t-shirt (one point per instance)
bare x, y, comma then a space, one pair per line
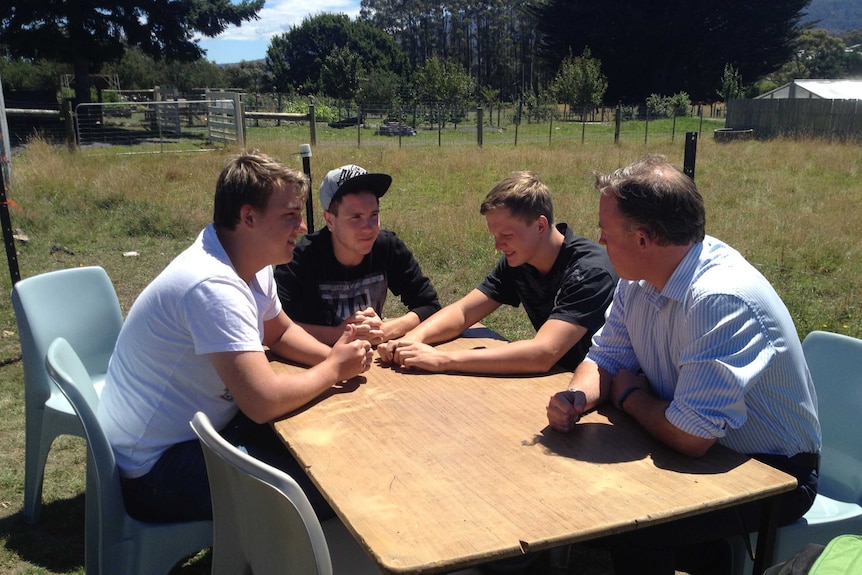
159, 374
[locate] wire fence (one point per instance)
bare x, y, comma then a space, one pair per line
194, 123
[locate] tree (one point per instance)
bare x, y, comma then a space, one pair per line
444, 85
379, 89
669, 46
580, 82
817, 54
295, 59
731, 84
341, 73
31, 75
494, 40
246, 76
821, 55
89, 34
136, 70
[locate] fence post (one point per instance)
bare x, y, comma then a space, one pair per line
583, 124
69, 121
439, 127
312, 122
305, 152
239, 118
690, 154
8, 236
479, 122
646, 126
618, 122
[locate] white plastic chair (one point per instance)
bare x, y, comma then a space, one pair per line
263, 522
79, 304
835, 362
115, 542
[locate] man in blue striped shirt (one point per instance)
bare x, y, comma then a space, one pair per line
699, 349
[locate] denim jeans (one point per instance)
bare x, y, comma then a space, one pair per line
177, 488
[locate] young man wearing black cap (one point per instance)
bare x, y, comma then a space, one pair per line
341, 274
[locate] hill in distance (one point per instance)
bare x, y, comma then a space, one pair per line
836, 16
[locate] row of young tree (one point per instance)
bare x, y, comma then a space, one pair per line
575, 52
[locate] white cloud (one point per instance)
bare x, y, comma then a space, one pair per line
278, 16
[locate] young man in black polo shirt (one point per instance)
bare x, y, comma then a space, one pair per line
564, 281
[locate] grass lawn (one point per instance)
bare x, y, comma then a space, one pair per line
792, 208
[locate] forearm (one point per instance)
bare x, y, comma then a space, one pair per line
519, 357
290, 392
649, 412
444, 325
297, 344
396, 327
593, 381
327, 334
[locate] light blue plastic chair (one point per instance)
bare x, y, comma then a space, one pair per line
835, 362
115, 542
79, 304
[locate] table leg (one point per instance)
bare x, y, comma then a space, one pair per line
766, 535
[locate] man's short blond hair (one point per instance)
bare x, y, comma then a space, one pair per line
524, 194
250, 179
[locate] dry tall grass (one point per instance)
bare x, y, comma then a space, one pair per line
791, 207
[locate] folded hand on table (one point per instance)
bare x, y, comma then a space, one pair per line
412, 354
352, 354
565, 409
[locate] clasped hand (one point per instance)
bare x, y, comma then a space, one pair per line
411, 354
352, 354
369, 326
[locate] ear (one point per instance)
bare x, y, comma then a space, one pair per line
247, 215
543, 223
644, 239
328, 218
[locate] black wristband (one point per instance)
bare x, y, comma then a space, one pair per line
625, 395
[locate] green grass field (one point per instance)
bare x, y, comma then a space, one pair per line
792, 208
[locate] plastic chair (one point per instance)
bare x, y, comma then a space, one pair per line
263, 522
114, 541
835, 362
81, 305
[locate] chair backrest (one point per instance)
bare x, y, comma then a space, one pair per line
78, 304
67, 371
262, 520
835, 362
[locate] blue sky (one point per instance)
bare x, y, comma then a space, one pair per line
250, 41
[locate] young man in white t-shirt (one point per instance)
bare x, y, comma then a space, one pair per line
194, 341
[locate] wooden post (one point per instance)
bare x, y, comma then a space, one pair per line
70, 125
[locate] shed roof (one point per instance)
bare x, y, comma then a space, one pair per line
813, 88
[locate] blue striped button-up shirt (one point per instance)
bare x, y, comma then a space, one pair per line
720, 345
